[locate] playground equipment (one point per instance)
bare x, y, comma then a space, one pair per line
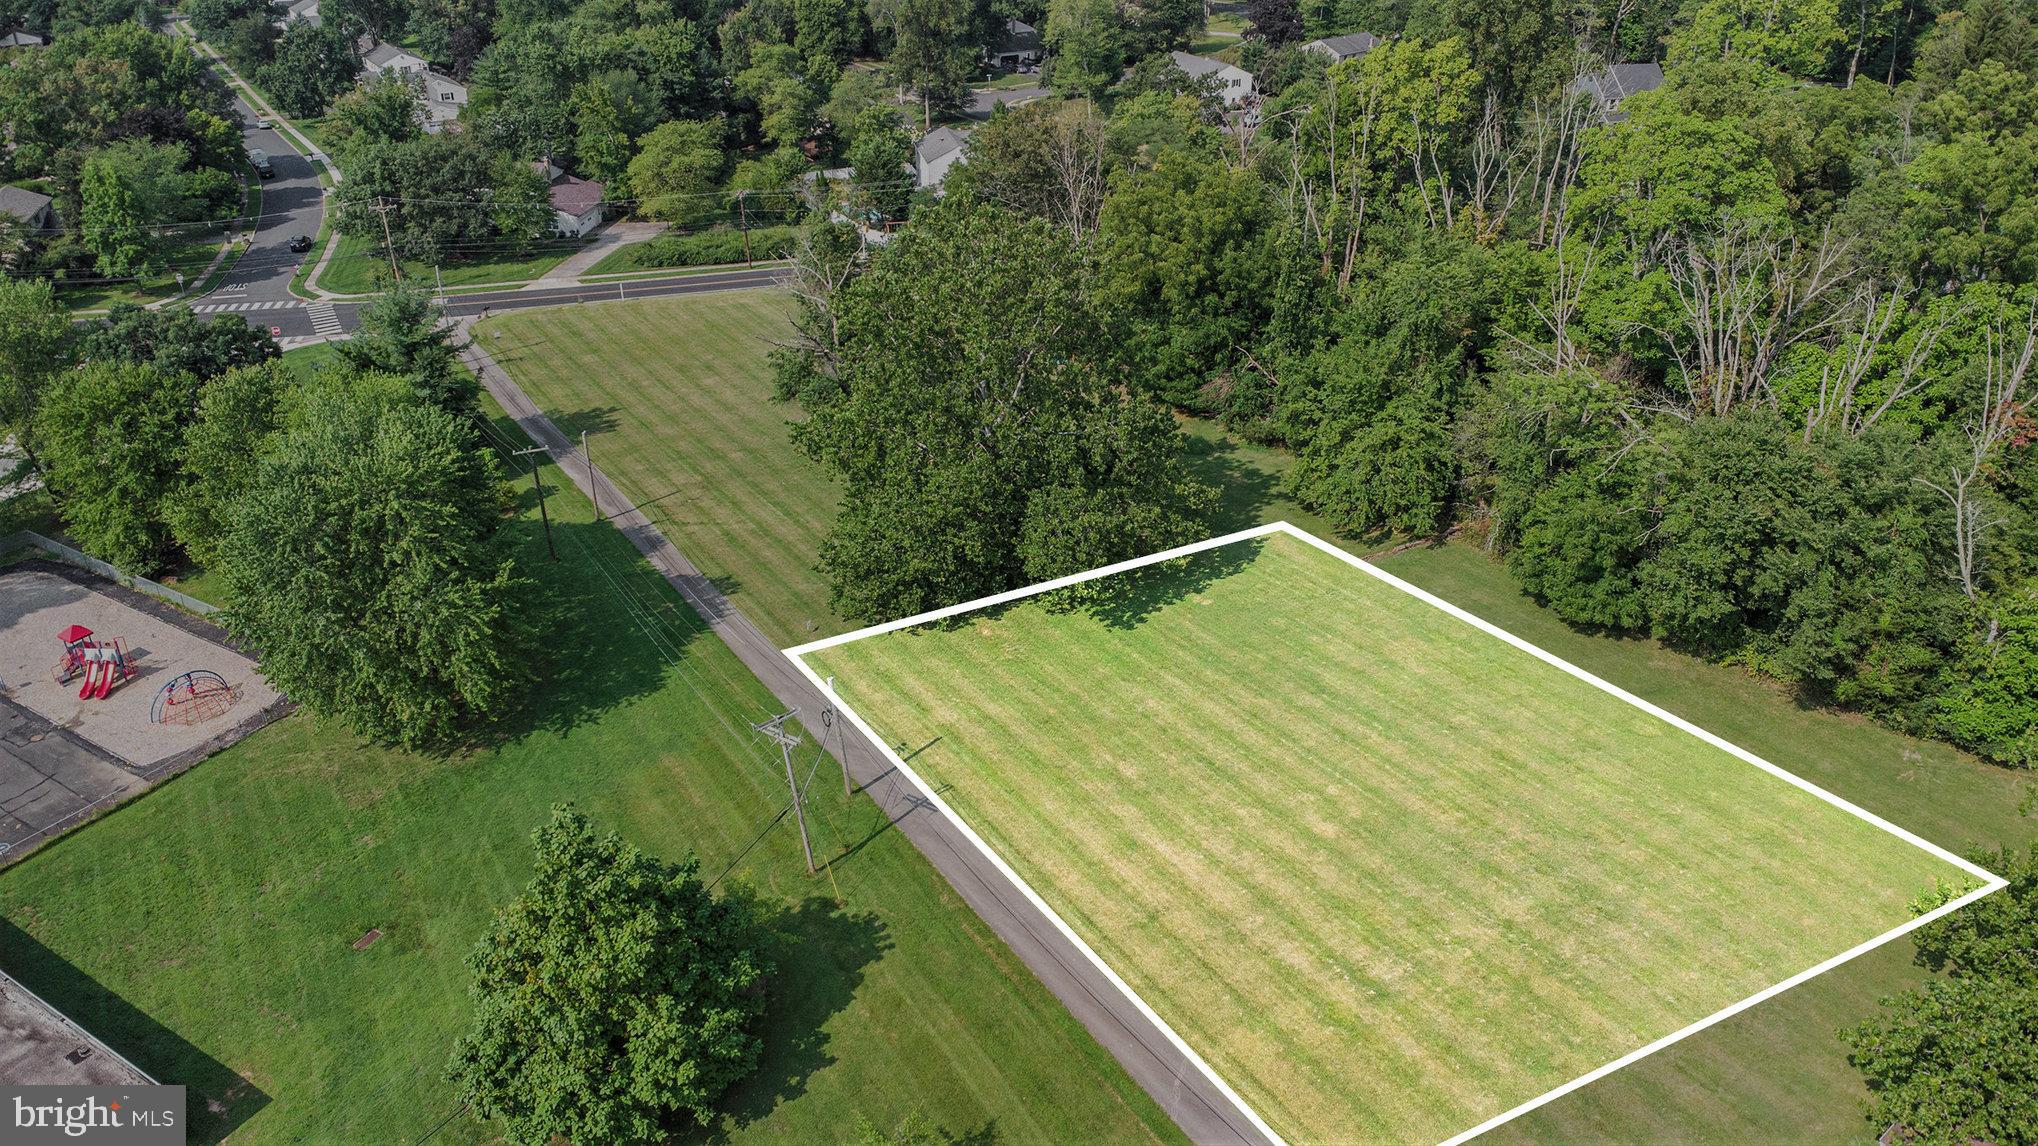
192, 698
104, 663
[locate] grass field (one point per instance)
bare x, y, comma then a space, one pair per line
675, 395
1408, 878
663, 412
359, 266
206, 929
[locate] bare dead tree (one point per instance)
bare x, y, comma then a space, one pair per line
1840, 379
1747, 293
1077, 155
1574, 267
815, 277
2006, 361
1490, 172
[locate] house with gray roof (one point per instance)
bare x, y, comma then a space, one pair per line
1017, 45
32, 208
1608, 89
1342, 48
378, 59
305, 10
1234, 84
22, 39
935, 153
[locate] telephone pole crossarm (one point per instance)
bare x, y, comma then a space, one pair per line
774, 730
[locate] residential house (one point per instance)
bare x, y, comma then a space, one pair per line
380, 59
442, 97
1610, 88
1342, 48
936, 152
576, 202
1234, 84
1017, 46
21, 39
32, 208
305, 10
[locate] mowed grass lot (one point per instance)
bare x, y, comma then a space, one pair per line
207, 929
1775, 1073
675, 395
1406, 878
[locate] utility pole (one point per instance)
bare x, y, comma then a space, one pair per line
743, 223
775, 729
383, 208
439, 277
593, 485
542, 515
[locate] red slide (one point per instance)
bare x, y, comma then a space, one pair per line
91, 681
108, 672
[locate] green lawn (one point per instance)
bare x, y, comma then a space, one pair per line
674, 394
188, 255
360, 267
669, 417
206, 929
1391, 875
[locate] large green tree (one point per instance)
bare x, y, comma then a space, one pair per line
363, 562
1956, 1060
677, 169
614, 999
402, 334
984, 436
313, 65
221, 452
108, 435
1186, 258
175, 341
34, 344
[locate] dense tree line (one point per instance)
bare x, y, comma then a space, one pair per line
1744, 363
132, 138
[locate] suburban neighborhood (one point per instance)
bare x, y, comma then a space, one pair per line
1058, 572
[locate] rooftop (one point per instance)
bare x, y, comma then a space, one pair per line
40, 1047
22, 203
1621, 81
1197, 65
1345, 47
939, 142
576, 196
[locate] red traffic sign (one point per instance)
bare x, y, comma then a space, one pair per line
275, 332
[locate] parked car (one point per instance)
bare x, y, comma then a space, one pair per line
259, 160
300, 243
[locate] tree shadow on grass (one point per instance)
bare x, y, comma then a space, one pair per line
821, 952
593, 420
1127, 600
606, 627
218, 1101
1244, 490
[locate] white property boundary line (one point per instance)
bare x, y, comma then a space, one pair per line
1990, 882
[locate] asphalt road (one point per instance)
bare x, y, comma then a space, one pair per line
297, 319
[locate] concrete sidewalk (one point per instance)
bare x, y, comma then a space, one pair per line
615, 237
1202, 1112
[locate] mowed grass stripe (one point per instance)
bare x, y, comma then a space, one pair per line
1389, 874
676, 394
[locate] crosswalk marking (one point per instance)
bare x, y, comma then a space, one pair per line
217, 307
324, 320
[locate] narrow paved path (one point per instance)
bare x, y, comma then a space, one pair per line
1197, 1107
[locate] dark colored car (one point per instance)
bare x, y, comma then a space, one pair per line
300, 243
